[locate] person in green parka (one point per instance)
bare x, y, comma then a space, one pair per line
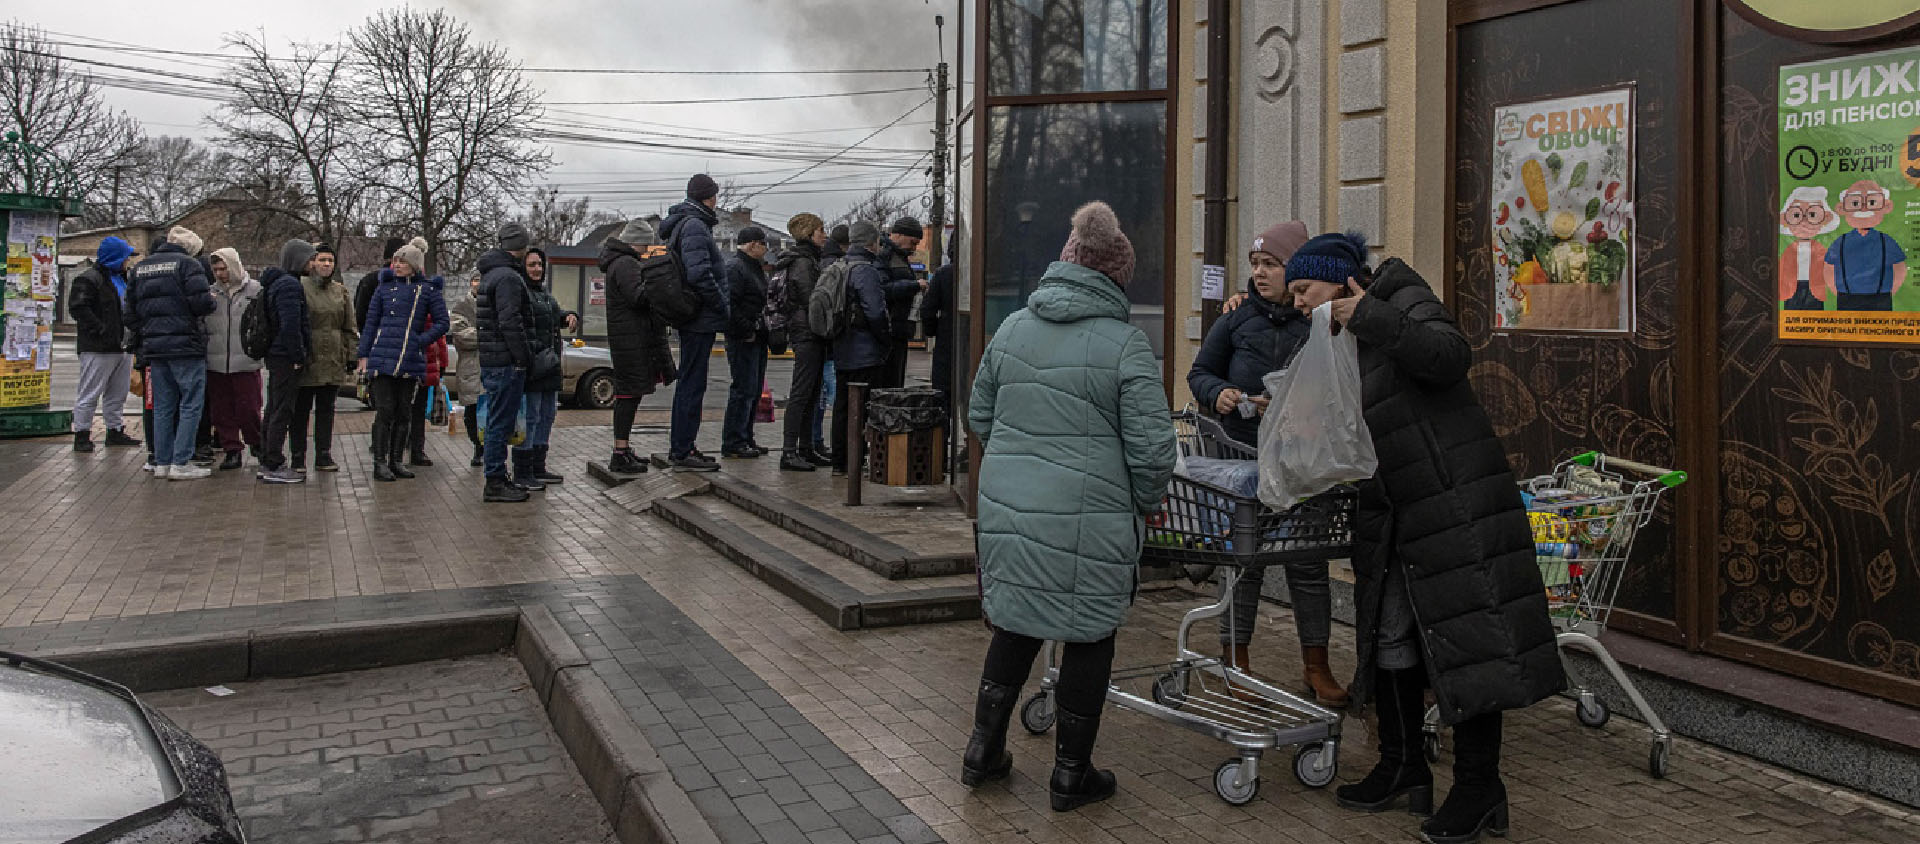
335, 337
1071, 410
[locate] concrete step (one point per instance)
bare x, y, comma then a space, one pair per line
877, 553
842, 593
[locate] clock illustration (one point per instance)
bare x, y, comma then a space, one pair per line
1802, 161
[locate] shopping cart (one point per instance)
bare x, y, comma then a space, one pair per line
1208, 525
1585, 517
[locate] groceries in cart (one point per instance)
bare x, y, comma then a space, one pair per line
1574, 528
1314, 437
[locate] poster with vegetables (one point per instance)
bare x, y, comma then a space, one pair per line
1563, 214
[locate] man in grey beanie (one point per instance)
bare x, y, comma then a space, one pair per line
860, 354
503, 307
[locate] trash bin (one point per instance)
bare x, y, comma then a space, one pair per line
906, 436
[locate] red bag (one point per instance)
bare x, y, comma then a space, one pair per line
763, 411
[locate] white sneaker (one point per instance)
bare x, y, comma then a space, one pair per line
188, 472
158, 470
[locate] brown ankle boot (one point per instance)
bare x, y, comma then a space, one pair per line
1319, 677
1235, 657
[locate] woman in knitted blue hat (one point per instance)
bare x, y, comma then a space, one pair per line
1447, 593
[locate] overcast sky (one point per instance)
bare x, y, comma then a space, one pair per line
643, 34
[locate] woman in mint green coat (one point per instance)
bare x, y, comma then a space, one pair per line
1072, 412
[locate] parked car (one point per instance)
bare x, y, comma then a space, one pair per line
86, 761
588, 371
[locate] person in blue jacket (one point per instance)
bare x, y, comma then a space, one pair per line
406, 315
167, 296
688, 231
860, 354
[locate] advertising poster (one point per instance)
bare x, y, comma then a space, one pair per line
1563, 214
1849, 199
26, 360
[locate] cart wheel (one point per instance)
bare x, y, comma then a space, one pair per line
1170, 689
1430, 744
1657, 760
1315, 766
1595, 715
1223, 778
1036, 715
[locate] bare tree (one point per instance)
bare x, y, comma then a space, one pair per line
444, 119
552, 220
284, 118
58, 109
166, 176
731, 195
881, 207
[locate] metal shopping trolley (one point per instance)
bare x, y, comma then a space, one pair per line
1585, 517
1211, 526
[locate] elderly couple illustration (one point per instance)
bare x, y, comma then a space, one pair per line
1861, 269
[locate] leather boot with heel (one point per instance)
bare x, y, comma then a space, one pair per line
396, 463
987, 757
1402, 769
1319, 678
1076, 782
1477, 805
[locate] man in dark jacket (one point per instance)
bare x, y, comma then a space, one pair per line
801, 265
166, 297
504, 307
936, 321
688, 231
286, 304
363, 292
746, 343
636, 339
96, 302
860, 354
895, 258
836, 246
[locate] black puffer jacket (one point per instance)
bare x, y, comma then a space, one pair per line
637, 340
1243, 346
548, 322
505, 309
167, 294
1444, 504
97, 311
902, 287
747, 297
801, 262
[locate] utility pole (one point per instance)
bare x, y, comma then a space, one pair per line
936, 252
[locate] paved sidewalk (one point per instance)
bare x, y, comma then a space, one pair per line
111, 555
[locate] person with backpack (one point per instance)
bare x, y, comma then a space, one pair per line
850, 306
233, 376
166, 297
796, 271
895, 258
688, 233
746, 343
277, 325
96, 303
503, 306
331, 344
405, 316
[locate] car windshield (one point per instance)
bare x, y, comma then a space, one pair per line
73, 757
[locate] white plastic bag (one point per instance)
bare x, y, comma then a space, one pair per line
1313, 436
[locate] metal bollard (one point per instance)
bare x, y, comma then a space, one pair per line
856, 443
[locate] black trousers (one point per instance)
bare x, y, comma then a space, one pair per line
895, 372
473, 421
846, 378
417, 430
315, 403
624, 408
1085, 669
283, 388
809, 369
392, 401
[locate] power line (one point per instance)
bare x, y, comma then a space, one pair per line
904, 115
736, 99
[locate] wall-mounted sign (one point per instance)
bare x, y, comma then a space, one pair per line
1833, 21
1563, 214
1849, 199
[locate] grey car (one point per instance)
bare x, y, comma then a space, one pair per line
588, 374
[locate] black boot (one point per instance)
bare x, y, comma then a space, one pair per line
540, 467
381, 450
397, 454
523, 470
323, 462
1477, 804
498, 489
624, 462
382, 471
119, 439
82, 442
987, 757
1402, 769
814, 456
793, 458
1075, 781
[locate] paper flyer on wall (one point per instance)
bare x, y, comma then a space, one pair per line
1849, 209
1563, 214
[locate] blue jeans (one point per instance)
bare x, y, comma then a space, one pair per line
179, 397
747, 363
827, 386
541, 410
503, 385
690, 391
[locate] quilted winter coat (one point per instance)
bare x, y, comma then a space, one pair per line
1444, 504
404, 319
1079, 448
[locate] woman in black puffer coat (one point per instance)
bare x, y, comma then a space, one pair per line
546, 376
1447, 590
636, 338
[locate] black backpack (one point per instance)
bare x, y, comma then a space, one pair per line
257, 327
663, 285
